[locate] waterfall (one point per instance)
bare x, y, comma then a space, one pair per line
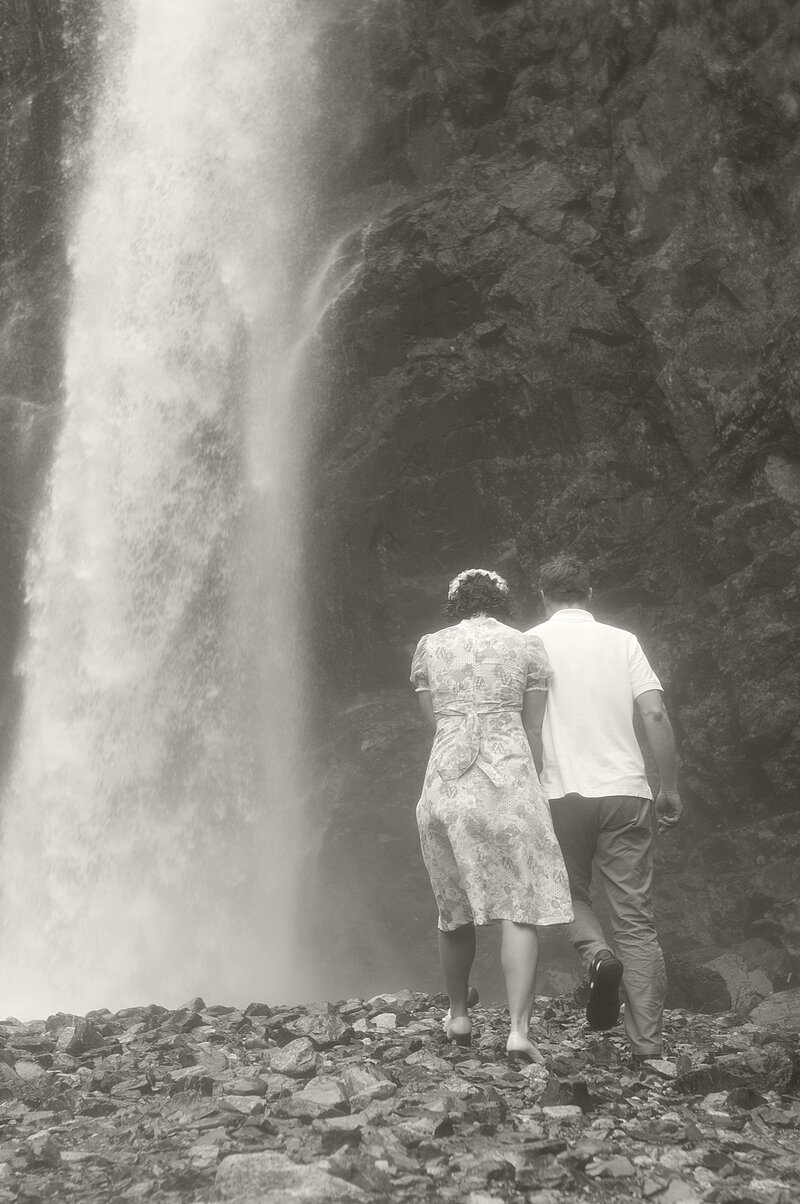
153, 825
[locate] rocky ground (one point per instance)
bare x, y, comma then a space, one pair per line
364, 1100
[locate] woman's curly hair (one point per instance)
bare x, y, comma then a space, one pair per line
479, 594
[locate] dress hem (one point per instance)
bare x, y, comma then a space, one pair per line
484, 921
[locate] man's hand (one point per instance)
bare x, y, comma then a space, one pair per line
668, 809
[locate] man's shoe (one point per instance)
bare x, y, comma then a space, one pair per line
605, 975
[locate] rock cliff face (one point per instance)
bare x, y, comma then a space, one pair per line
573, 326
571, 323
47, 63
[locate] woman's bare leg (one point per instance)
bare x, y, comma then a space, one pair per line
519, 956
457, 953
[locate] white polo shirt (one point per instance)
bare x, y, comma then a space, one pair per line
590, 747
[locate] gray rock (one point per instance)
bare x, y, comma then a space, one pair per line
190, 1078
42, 1150
319, 1098
766, 1069
328, 1092
299, 1059
387, 1021
696, 988
538, 195
747, 986
258, 1009
323, 1028
393, 1001
564, 1113
617, 1167
278, 1084
79, 1038
273, 1178
364, 1084
9, 1079
424, 1060
781, 1011
338, 1132
242, 1086
30, 1071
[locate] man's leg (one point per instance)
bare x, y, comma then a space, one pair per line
575, 823
624, 858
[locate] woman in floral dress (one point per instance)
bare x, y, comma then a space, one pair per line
484, 821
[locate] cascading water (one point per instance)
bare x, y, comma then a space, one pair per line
152, 829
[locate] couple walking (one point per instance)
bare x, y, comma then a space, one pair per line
559, 700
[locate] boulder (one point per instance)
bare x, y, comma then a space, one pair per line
79, 1039
781, 1011
364, 1084
273, 1178
297, 1060
696, 988
747, 985
322, 1027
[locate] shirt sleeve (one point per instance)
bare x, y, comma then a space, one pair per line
539, 668
642, 676
419, 666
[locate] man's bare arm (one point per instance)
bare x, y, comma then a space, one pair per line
533, 708
661, 739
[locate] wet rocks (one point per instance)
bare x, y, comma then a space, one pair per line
768, 1069
165, 1113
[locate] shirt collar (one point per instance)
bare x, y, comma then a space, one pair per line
572, 614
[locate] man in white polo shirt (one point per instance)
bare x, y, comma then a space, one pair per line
600, 800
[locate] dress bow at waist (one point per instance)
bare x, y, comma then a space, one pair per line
459, 739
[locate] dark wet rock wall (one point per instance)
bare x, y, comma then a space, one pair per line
47, 66
574, 326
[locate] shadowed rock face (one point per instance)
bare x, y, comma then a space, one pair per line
47, 64
573, 327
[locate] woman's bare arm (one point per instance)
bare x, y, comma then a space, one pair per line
426, 706
533, 708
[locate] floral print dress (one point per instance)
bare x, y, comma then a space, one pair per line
484, 821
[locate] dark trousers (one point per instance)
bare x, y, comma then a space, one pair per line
615, 835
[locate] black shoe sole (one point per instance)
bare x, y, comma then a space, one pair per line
602, 1010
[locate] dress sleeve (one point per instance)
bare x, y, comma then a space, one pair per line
419, 666
539, 668
642, 676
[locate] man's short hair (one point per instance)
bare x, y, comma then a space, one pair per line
565, 579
